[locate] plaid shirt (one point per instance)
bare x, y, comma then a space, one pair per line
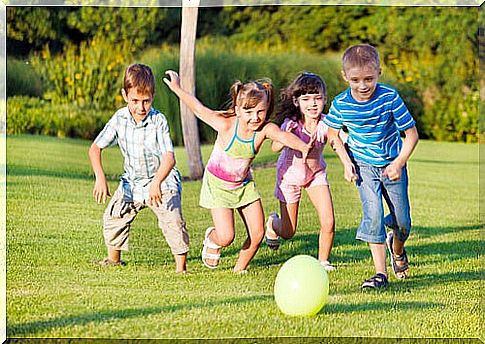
142, 146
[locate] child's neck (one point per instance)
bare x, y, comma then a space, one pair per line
310, 124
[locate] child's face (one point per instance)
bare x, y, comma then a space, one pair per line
310, 105
252, 118
362, 81
139, 103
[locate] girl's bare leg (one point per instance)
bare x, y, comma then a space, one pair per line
223, 235
285, 227
253, 218
322, 201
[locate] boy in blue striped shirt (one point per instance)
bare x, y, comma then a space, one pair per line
150, 178
374, 115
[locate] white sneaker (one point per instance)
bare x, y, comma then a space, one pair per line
327, 266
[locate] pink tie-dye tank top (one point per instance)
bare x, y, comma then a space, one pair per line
232, 164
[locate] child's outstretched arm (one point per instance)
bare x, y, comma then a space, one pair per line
339, 148
211, 117
393, 170
100, 191
284, 138
154, 192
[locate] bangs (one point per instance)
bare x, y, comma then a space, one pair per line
251, 99
309, 85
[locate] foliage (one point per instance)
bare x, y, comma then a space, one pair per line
22, 79
54, 231
36, 116
86, 75
139, 26
419, 46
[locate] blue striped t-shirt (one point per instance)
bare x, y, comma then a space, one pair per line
373, 125
142, 145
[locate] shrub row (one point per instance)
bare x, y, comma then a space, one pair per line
35, 116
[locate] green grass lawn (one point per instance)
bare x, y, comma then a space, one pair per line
54, 235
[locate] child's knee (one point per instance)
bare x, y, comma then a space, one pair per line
224, 238
327, 226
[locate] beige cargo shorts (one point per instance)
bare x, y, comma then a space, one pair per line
119, 215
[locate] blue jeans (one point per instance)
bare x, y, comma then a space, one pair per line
372, 188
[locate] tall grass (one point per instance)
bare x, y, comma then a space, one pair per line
22, 79
217, 69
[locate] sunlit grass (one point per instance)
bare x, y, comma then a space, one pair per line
54, 235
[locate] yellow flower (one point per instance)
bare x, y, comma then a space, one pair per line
77, 76
409, 78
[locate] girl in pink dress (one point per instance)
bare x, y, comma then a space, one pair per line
301, 110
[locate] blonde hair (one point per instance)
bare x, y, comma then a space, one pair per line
249, 95
361, 55
141, 77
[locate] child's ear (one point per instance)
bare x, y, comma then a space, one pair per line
295, 101
125, 96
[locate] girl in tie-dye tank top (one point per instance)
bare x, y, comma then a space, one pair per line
227, 184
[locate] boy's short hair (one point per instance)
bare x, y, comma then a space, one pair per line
360, 55
141, 77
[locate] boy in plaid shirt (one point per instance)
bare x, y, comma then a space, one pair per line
150, 178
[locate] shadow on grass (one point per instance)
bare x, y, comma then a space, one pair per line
14, 170
333, 308
36, 327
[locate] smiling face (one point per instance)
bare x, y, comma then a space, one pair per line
139, 103
362, 81
310, 105
252, 117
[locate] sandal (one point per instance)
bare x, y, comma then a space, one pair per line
400, 270
272, 243
208, 243
376, 282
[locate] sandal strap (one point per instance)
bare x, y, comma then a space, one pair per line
214, 256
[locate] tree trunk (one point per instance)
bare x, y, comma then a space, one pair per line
187, 80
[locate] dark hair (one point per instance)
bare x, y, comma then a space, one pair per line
249, 95
360, 55
141, 77
304, 83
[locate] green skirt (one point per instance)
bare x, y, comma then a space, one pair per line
216, 194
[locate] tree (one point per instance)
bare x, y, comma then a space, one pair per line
187, 80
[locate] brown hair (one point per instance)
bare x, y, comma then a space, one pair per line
141, 77
249, 95
360, 55
304, 83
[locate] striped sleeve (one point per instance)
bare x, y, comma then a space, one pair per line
401, 114
108, 136
334, 118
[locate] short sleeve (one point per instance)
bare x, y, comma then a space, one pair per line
163, 135
289, 123
334, 117
401, 114
108, 136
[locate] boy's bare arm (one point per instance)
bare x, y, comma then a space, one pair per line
337, 145
154, 193
100, 191
393, 170
211, 117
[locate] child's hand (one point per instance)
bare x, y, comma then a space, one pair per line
308, 147
393, 172
155, 195
173, 81
100, 191
349, 173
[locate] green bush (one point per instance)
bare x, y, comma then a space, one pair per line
22, 79
36, 116
86, 75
